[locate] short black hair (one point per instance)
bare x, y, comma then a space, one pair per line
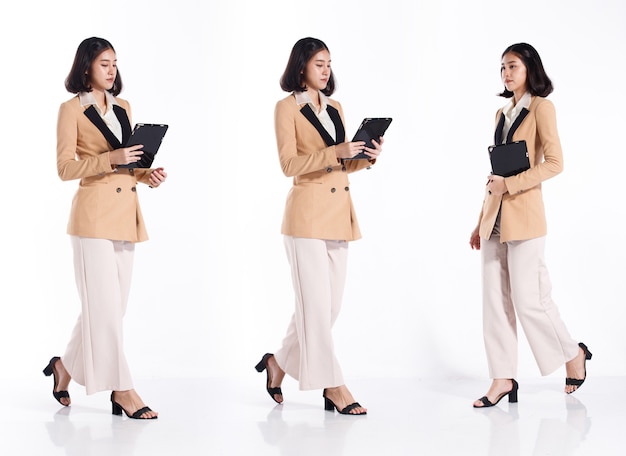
292, 79
537, 81
78, 79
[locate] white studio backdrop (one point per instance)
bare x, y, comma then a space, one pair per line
211, 289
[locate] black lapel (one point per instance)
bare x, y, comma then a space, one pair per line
121, 115
334, 116
497, 137
520, 118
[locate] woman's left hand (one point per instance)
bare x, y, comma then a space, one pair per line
157, 177
374, 152
496, 185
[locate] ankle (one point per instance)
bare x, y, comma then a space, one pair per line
121, 395
333, 391
272, 364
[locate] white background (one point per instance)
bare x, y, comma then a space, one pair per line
212, 290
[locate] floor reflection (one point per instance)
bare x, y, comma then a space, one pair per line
555, 436
327, 437
82, 435
561, 436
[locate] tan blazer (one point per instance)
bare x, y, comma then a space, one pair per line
523, 214
318, 205
105, 205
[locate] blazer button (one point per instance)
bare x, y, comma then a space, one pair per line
131, 171
343, 168
118, 190
133, 189
347, 188
333, 190
329, 169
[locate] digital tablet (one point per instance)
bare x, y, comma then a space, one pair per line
509, 159
151, 136
370, 128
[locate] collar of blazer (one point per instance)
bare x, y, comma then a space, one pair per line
334, 116
120, 113
509, 137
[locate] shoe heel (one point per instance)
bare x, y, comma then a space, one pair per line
513, 393
48, 370
260, 367
116, 409
328, 405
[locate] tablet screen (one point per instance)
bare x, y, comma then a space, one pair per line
150, 136
370, 128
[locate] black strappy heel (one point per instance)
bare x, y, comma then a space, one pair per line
330, 406
260, 367
117, 409
48, 371
575, 381
512, 397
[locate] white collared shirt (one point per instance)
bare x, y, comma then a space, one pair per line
511, 112
109, 117
323, 116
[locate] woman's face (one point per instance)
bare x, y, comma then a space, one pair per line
317, 71
103, 71
513, 73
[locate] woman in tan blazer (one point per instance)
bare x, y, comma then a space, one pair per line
318, 223
511, 236
105, 223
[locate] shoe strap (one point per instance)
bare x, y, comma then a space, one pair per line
574, 381
486, 402
349, 408
141, 411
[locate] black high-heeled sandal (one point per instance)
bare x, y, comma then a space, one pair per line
330, 406
260, 367
512, 397
48, 371
576, 381
116, 409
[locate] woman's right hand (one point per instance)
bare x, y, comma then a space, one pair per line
349, 149
475, 239
126, 155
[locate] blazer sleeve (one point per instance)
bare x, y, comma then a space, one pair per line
68, 167
141, 174
352, 165
297, 159
552, 163
356, 165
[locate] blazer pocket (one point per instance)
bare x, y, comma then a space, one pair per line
304, 181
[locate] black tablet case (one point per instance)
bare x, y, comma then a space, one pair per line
370, 128
509, 159
151, 136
